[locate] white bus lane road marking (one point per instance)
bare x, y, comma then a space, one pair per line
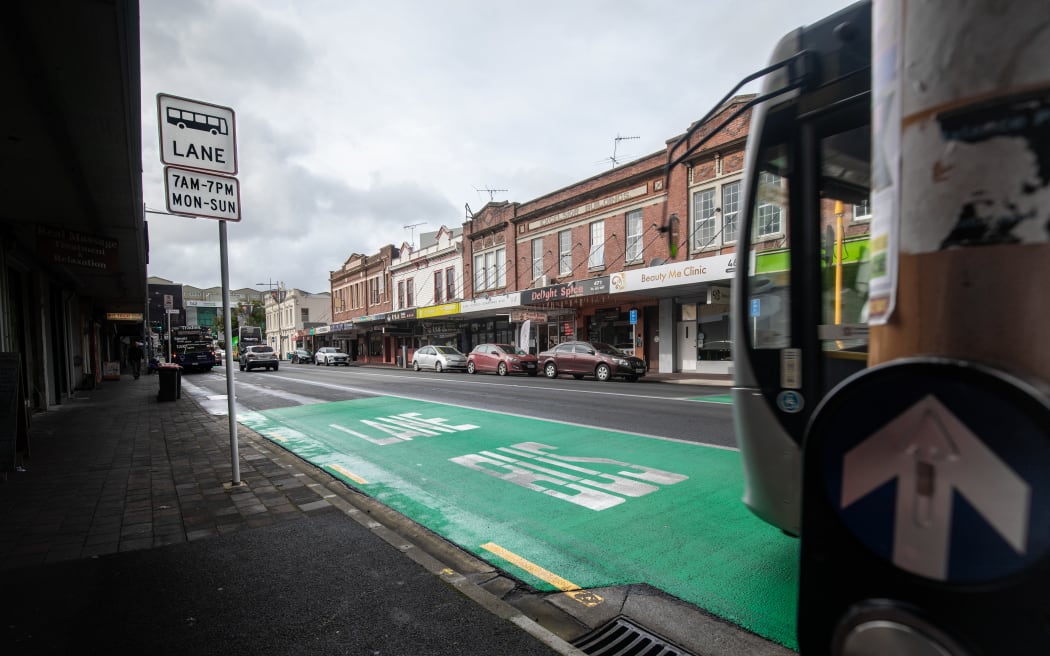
564, 507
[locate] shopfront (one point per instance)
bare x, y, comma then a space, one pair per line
692, 334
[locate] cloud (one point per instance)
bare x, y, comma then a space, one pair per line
355, 119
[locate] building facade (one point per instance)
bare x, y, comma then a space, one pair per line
640, 257
361, 302
289, 314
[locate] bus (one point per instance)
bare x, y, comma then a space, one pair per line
246, 336
184, 335
804, 260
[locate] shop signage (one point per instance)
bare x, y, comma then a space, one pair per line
401, 315
124, 316
78, 249
369, 317
704, 269
566, 290
437, 310
528, 315
495, 302
323, 330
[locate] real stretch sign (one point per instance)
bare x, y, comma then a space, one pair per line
196, 135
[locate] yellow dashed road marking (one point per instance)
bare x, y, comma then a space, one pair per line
349, 474
584, 597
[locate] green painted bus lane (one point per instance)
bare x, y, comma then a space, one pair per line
558, 505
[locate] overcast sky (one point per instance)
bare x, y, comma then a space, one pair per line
355, 119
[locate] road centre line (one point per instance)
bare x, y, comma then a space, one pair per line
501, 383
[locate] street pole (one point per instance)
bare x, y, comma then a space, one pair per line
227, 321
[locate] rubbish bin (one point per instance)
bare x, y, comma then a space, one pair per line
401, 361
170, 382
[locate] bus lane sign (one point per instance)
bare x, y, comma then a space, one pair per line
196, 135
200, 194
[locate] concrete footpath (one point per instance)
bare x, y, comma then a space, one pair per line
125, 534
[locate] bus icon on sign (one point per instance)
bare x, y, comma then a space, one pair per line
183, 119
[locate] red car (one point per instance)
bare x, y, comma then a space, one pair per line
503, 359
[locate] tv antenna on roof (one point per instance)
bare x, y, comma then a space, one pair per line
616, 143
412, 227
492, 192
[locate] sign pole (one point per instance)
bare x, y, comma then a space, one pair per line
227, 326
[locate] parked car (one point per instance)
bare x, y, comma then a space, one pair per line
195, 356
255, 357
302, 356
598, 359
439, 358
329, 355
503, 359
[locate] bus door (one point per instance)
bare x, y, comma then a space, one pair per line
807, 288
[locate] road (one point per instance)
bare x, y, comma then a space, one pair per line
645, 407
565, 485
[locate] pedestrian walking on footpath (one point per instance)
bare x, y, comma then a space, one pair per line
135, 358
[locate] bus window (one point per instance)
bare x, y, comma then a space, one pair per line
769, 311
845, 248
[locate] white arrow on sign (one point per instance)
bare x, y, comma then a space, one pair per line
932, 453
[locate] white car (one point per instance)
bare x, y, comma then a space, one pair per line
255, 357
329, 355
439, 358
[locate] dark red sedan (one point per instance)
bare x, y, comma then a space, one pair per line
501, 358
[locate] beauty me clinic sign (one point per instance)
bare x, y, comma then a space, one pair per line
704, 269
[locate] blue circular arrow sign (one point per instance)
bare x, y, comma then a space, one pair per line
940, 467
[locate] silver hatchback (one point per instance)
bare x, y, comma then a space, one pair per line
439, 358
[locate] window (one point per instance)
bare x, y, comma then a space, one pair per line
730, 211
537, 258
704, 227
490, 270
769, 213
565, 252
439, 279
373, 284
634, 236
401, 294
450, 284
409, 287
304, 314
862, 212
596, 258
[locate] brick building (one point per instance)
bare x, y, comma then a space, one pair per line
640, 256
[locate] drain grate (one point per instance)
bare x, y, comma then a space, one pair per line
622, 637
